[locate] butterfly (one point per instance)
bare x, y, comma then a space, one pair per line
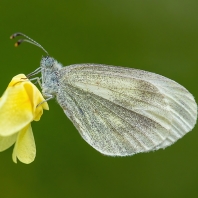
118, 111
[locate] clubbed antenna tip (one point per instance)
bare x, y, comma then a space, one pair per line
26, 39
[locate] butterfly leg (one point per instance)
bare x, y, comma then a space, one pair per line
48, 97
38, 70
38, 80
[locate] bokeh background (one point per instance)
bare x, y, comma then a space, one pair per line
157, 36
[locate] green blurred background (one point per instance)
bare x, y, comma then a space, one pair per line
157, 36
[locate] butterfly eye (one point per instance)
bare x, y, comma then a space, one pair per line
48, 62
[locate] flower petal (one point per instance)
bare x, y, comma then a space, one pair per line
15, 110
36, 98
6, 142
16, 79
18, 105
25, 148
44, 105
31, 89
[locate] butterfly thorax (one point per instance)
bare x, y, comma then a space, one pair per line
50, 76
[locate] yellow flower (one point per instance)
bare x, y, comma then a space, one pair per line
18, 108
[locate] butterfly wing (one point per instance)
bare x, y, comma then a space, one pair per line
121, 111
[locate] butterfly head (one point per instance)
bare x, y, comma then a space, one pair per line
49, 75
47, 62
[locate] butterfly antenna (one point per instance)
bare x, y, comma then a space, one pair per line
26, 39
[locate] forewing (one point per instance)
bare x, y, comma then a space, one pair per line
179, 102
121, 111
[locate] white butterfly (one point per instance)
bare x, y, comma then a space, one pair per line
118, 111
